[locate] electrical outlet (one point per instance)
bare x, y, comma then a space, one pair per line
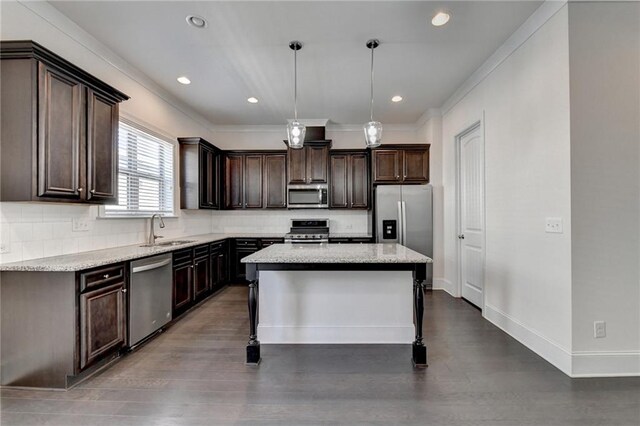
599, 329
553, 225
80, 224
5, 248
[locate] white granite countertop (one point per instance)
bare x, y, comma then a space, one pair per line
92, 259
336, 253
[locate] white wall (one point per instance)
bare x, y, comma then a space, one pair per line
604, 43
524, 105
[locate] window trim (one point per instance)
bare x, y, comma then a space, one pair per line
155, 132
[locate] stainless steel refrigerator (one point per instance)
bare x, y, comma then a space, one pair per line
404, 215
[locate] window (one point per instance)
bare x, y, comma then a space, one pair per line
145, 174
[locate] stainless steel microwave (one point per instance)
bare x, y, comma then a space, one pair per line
308, 196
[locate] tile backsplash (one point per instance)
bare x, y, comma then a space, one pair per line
33, 230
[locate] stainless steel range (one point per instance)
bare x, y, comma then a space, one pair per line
308, 231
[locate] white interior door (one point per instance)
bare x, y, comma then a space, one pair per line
471, 205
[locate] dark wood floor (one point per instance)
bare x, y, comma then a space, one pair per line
194, 374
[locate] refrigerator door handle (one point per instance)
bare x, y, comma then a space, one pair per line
404, 223
400, 224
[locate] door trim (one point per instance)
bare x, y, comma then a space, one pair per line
477, 124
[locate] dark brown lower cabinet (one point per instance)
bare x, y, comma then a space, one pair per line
242, 248
201, 277
219, 265
102, 322
182, 286
197, 272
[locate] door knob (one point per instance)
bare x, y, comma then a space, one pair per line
461, 236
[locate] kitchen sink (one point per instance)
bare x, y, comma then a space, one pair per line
169, 243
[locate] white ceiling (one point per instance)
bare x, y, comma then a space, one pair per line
244, 52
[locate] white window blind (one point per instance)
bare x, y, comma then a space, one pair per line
145, 174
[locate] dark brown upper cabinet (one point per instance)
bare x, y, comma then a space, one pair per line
275, 181
309, 164
255, 180
395, 164
59, 129
199, 174
349, 177
102, 148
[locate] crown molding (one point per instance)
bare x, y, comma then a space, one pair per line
61, 22
537, 19
428, 115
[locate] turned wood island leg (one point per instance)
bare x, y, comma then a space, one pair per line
419, 349
253, 346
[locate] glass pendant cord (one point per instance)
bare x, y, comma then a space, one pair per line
372, 49
295, 84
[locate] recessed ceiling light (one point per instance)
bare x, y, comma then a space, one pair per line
184, 80
252, 100
396, 98
196, 21
440, 19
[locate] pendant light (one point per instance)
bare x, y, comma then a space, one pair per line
373, 129
295, 130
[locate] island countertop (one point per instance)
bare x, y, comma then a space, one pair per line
336, 253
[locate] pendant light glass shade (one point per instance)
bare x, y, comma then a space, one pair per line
373, 134
373, 129
295, 134
295, 130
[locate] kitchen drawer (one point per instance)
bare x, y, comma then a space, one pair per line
361, 240
247, 242
338, 240
220, 245
182, 256
266, 242
101, 276
201, 251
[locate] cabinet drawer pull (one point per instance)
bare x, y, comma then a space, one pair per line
105, 276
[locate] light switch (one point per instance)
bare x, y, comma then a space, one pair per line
553, 225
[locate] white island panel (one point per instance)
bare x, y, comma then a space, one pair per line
336, 307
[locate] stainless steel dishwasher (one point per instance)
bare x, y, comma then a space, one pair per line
149, 296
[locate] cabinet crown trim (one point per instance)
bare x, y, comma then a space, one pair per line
195, 140
29, 49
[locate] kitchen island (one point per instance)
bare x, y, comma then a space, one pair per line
331, 293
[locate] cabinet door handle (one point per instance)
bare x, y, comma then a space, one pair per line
93, 191
105, 276
80, 189
124, 290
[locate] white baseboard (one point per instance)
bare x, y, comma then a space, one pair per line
551, 351
606, 364
335, 335
444, 284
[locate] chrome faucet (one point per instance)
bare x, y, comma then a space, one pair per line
152, 235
